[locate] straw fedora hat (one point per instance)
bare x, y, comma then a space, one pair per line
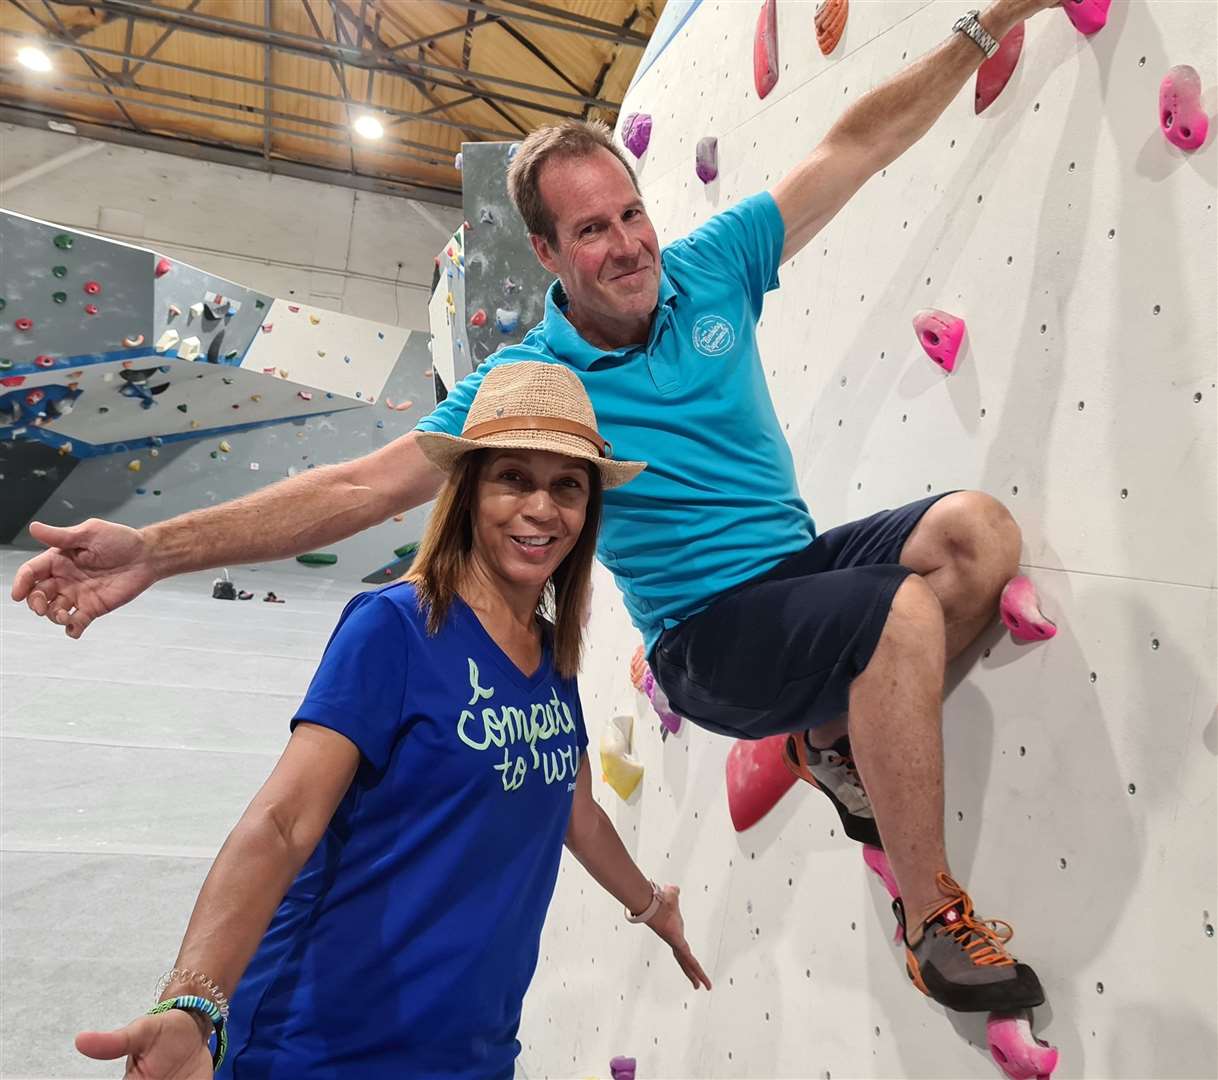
531, 405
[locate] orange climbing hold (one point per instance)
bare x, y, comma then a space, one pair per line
830, 21
765, 48
996, 71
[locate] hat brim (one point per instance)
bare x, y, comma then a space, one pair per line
444, 451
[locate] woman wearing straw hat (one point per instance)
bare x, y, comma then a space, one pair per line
377, 910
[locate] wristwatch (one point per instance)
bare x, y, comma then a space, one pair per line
970, 27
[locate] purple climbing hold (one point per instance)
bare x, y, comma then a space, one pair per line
706, 159
622, 1068
636, 133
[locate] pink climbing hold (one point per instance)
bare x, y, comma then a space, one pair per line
765, 48
941, 335
706, 159
478, 318
757, 778
1018, 1052
266, 328
44, 361
24, 326
1021, 614
645, 683
995, 73
90, 309
163, 267
636, 133
1181, 114
293, 307
877, 863
1088, 16
400, 406
622, 1068
92, 288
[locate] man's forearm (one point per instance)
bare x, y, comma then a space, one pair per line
306, 512
896, 114
601, 852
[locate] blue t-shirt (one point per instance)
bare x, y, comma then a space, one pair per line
718, 504
405, 945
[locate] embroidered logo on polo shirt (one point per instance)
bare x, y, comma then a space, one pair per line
713, 335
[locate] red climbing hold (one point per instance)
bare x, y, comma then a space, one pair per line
92, 288
44, 361
90, 309
478, 318
24, 326
941, 335
163, 266
830, 21
996, 72
1181, 114
756, 779
12, 380
765, 48
1021, 614
1088, 16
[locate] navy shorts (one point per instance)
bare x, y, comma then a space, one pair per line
778, 653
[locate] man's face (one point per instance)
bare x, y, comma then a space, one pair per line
607, 253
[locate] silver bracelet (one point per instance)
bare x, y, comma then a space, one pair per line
649, 911
970, 26
197, 978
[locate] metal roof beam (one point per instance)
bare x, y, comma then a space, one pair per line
489, 133
156, 45
559, 19
376, 59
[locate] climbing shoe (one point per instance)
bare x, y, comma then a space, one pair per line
834, 773
962, 962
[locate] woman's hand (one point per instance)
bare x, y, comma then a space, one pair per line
669, 925
168, 1046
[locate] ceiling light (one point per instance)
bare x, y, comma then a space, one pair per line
369, 127
33, 58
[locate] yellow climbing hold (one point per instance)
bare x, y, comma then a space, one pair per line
134, 466
224, 446
314, 319
619, 769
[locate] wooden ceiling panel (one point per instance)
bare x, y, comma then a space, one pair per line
283, 79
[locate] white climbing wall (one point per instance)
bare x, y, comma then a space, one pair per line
1079, 246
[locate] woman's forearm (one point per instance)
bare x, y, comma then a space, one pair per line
601, 852
246, 883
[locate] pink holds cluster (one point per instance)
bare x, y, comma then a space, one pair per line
1181, 115
636, 133
940, 335
1020, 611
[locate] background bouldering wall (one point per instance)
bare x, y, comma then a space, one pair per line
320, 249
1078, 245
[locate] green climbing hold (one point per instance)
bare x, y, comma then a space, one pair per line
3, 303
259, 304
317, 558
5, 363
64, 242
215, 453
59, 271
181, 408
60, 297
156, 491
232, 354
405, 549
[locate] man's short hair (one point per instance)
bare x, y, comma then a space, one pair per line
570, 139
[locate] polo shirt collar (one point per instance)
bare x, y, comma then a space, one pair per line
565, 342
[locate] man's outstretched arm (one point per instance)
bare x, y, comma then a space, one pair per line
95, 567
884, 123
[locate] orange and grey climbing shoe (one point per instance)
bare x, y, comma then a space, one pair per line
962, 962
834, 773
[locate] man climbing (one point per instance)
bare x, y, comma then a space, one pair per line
845, 635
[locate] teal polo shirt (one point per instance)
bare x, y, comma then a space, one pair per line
718, 504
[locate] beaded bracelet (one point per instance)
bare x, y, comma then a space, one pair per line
194, 1003
186, 975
